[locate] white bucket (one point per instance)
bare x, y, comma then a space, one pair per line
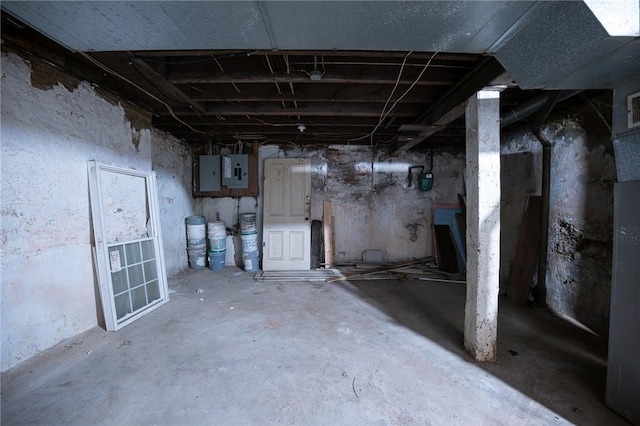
216, 230
195, 232
249, 242
197, 260
250, 261
218, 244
247, 223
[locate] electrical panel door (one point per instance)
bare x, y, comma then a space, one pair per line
235, 171
210, 173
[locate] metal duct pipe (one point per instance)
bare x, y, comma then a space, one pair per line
540, 295
532, 106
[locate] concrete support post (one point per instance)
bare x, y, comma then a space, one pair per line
483, 224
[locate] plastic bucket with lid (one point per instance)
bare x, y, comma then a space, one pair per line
250, 261
218, 244
195, 228
216, 260
216, 230
247, 223
249, 242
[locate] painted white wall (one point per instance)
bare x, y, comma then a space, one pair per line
171, 161
47, 283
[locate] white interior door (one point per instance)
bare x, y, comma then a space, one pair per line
286, 222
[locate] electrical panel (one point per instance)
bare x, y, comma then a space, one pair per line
210, 175
235, 171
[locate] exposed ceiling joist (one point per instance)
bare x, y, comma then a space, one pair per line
299, 77
452, 104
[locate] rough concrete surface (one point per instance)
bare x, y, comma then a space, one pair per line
47, 289
228, 350
581, 210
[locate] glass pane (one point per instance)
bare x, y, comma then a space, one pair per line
147, 250
133, 253
153, 291
139, 298
150, 271
135, 276
123, 307
119, 280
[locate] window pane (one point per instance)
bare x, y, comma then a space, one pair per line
147, 250
153, 291
123, 307
150, 271
135, 276
139, 298
119, 280
133, 253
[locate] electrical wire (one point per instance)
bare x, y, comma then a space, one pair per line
272, 124
384, 108
384, 115
600, 115
151, 95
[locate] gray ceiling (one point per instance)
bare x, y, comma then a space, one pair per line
543, 45
462, 27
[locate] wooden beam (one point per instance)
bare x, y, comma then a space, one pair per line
162, 85
222, 54
389, 77
413, 127
452, 104
322, 109
307, 92
237, 121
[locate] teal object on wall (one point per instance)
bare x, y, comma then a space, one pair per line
425, 181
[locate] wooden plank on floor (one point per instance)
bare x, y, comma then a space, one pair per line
363, 272
526, 253
327, 227
314, 275
448, 260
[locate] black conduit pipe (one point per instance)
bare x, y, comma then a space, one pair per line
540, 293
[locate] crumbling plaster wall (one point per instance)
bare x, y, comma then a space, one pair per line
372, 205
581, 211
376, 211
49, 131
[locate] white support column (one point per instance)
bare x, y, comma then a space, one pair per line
483, 224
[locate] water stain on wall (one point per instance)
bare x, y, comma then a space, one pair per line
413, 231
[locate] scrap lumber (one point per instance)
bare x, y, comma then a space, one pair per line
446, 248
524, 263
327, 229
376, 270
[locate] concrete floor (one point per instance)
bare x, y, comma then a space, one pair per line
361, 352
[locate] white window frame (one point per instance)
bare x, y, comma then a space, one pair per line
102, 246
633, 120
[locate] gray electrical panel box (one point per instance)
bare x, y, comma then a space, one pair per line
235, 171
210, 175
